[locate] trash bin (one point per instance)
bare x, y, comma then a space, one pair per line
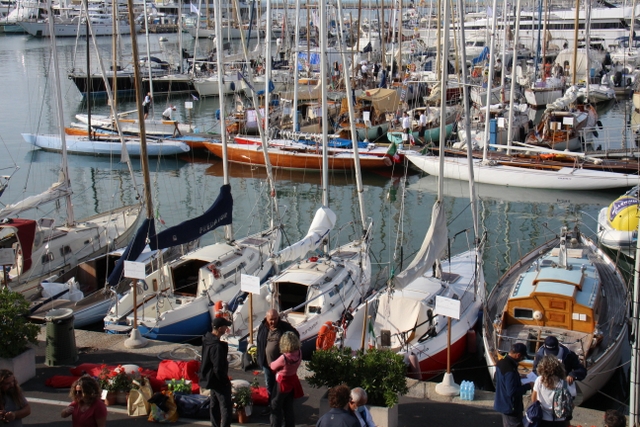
61, 338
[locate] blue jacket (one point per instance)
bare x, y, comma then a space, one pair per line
509, 388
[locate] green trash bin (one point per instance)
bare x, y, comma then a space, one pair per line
61, 338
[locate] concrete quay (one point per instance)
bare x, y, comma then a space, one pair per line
422, 406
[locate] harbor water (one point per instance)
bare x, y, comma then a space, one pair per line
515, 219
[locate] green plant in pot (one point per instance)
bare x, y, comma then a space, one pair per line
242, 397
382, 373
16, 331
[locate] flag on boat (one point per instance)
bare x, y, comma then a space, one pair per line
195, 98
218, 214
393, 152
194, 9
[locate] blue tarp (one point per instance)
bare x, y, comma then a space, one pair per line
482, 57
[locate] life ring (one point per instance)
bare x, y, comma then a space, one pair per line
220, 309
326, 336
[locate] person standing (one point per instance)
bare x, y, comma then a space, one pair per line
422, 123
13, 405
572, 366
288, 385
268, 342
214, 373
146, 104
509, 387
551, 376
338, 415
406, 123
357, 404
86, 408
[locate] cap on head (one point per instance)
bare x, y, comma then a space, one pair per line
173, 107
519, 348
219, 322
551, 343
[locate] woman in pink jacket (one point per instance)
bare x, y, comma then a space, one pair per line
288, 385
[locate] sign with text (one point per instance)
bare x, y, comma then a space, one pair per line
134, 270
447, 307
7, 256
250, 284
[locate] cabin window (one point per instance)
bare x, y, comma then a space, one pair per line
292, 295
523, 313
46, 258
65, 250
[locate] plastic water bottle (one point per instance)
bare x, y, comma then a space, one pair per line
463, 390
472, 390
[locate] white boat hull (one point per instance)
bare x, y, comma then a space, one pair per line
41, 29
84, 145
565, 178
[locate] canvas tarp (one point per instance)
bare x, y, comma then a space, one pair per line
383, 100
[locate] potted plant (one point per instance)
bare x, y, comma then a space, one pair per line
17, 333
242, 400
117, 383
382, 373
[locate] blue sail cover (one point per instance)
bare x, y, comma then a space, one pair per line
133, 251
218, 214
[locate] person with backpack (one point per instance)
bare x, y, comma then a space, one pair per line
553, 393
572, 366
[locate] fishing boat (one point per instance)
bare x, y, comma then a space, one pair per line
618, 223
567, 288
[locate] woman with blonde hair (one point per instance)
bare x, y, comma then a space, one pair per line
86, 408
288, 385
13, 405
551, 376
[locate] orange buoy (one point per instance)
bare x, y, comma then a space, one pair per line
326, 336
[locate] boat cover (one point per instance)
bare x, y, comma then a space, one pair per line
434, 244
321, 225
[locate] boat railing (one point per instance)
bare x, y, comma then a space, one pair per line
618, 140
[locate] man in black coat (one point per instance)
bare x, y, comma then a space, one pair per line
509, 387
214, 373
572, 366
268, 343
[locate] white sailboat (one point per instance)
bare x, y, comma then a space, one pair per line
321, 289
401, 317
44, 249
180, 302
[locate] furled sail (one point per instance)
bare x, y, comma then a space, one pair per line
434, 244
218, 214
133, 251
56, 191
321, 225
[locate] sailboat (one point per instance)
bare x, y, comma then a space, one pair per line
181, 301
320, 289
402, 316
44, 249
568, 288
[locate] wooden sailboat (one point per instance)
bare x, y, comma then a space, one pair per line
568, 288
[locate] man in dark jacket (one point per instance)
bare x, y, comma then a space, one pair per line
214, 373
509, 387
572, 366
268, 343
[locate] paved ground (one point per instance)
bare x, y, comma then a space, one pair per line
422, 407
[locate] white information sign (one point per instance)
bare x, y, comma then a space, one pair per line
7, 256
134, 270
250, 284
188, 105
447, 307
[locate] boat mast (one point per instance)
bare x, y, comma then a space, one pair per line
323, 97
492, 49
296, 65
228, 229
64, 172
513, 78
576, 27
443, 97
85, 5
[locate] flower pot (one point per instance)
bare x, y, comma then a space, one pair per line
121, 397
110, 400
23, 365
243, 418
